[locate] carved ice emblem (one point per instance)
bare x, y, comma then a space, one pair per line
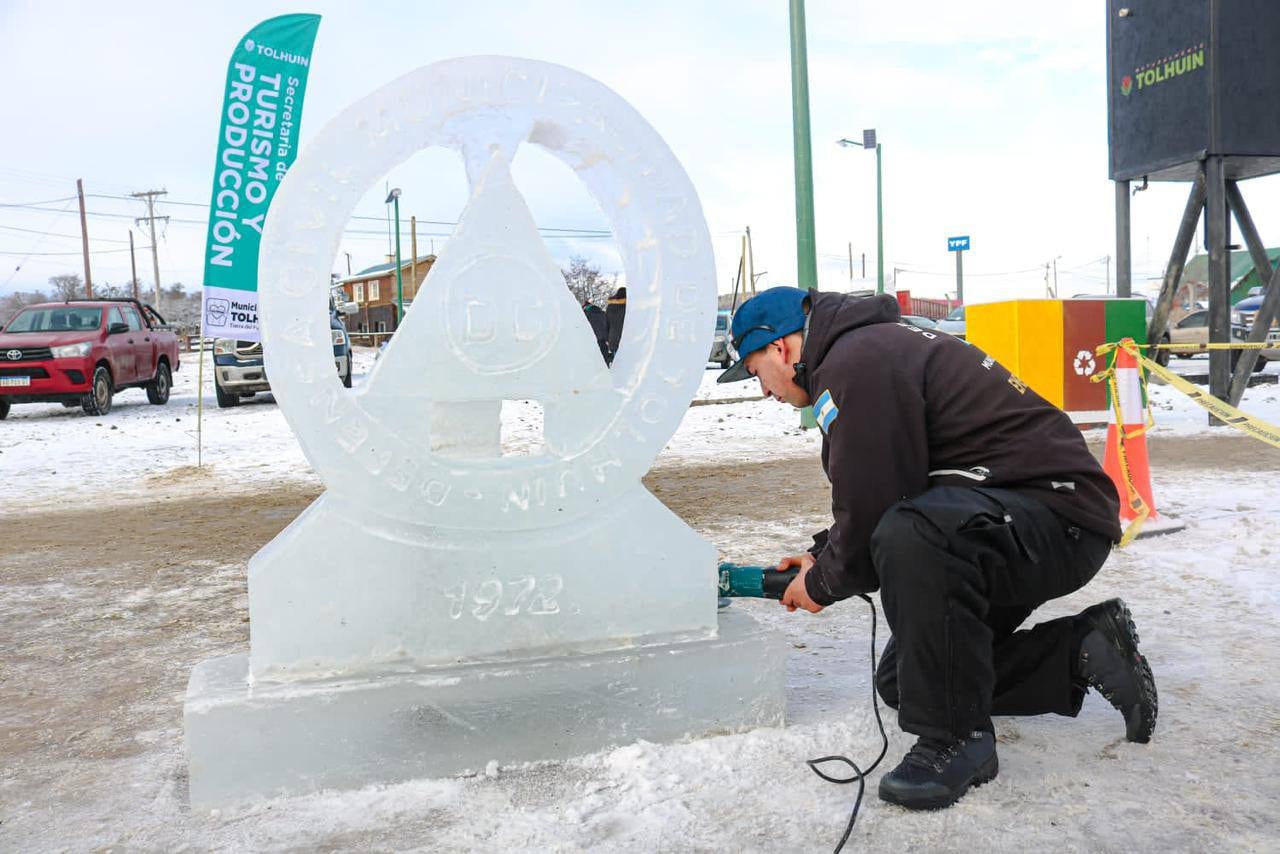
429, 545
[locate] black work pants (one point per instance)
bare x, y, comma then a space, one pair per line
960, 569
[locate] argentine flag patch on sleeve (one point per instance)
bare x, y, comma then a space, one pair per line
825, 411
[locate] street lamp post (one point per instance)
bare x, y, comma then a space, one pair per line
869, 141
806, 247
394, 196
879, 222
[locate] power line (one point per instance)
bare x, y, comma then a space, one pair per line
91, 252
130, 198
39, 240
29, 177
441, 222
562, 233
33, 204
603, 235
89, 213
1100, 259
952, 274
56, 234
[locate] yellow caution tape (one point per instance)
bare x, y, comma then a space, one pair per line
1131, 497
1204, 348
1224, 412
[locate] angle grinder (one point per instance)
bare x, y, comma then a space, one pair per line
753, 582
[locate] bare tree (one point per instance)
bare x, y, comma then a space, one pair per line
587, 284
67, 286
107, 290
11, 304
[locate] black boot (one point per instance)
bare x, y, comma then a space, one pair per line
936, 773
1109, 661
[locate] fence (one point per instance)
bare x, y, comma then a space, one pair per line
934, 309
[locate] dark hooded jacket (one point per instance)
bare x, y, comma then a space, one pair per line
616, 312
903, 409
599, 328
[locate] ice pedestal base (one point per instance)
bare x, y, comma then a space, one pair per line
271, 739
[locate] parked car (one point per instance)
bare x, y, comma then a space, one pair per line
920, 321
1245, 312
721, 348
1188, 334
81, 352
953, 323
240, 372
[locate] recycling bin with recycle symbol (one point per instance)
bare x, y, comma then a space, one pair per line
1050, 344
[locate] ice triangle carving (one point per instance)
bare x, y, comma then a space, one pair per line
493, 321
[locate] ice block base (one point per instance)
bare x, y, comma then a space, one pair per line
247, 742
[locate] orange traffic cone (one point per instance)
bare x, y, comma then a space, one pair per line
1126, 455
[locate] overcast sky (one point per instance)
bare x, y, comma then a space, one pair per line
992, 116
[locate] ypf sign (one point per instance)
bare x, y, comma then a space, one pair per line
959, 245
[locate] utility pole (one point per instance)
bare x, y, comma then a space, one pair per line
864, 271
394, 196
739, 283
348, 254
879, 225
851, 260
133, 265
413, 247
751, 263
150, 197
84, 242
1055, 278
1107, 259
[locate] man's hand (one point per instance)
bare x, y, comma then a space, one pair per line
796, 596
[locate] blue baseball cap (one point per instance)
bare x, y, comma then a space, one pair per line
761, 320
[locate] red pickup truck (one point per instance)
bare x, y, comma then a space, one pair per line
81, 352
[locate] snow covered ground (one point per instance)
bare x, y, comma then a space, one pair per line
100, 640
46, 450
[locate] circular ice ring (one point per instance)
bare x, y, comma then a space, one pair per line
469, 105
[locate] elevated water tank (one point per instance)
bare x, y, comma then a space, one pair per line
1189, 79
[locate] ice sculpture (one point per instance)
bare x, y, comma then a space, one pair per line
442, 604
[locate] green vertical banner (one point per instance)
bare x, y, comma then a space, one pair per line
257, 142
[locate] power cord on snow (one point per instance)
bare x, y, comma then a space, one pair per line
859, 776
